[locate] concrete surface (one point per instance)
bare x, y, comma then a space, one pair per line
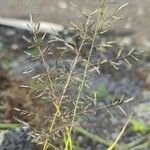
136, 15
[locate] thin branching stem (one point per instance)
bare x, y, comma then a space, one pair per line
85, 73
67, 82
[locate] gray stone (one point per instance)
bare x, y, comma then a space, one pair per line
17, 139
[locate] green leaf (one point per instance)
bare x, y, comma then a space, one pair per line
6, 63
37, 85
34, 51
101, 92
138, 126
8, 125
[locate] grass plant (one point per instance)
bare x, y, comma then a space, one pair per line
66, 90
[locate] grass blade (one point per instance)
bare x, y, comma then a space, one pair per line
120, 134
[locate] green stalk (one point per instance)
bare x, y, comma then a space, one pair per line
65, 87
86, 68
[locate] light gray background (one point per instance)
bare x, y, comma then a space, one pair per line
136, 15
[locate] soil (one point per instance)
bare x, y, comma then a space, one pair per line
10, 98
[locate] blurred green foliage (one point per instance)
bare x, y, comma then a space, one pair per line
37, 85
6, 63
139, 126
101, 92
